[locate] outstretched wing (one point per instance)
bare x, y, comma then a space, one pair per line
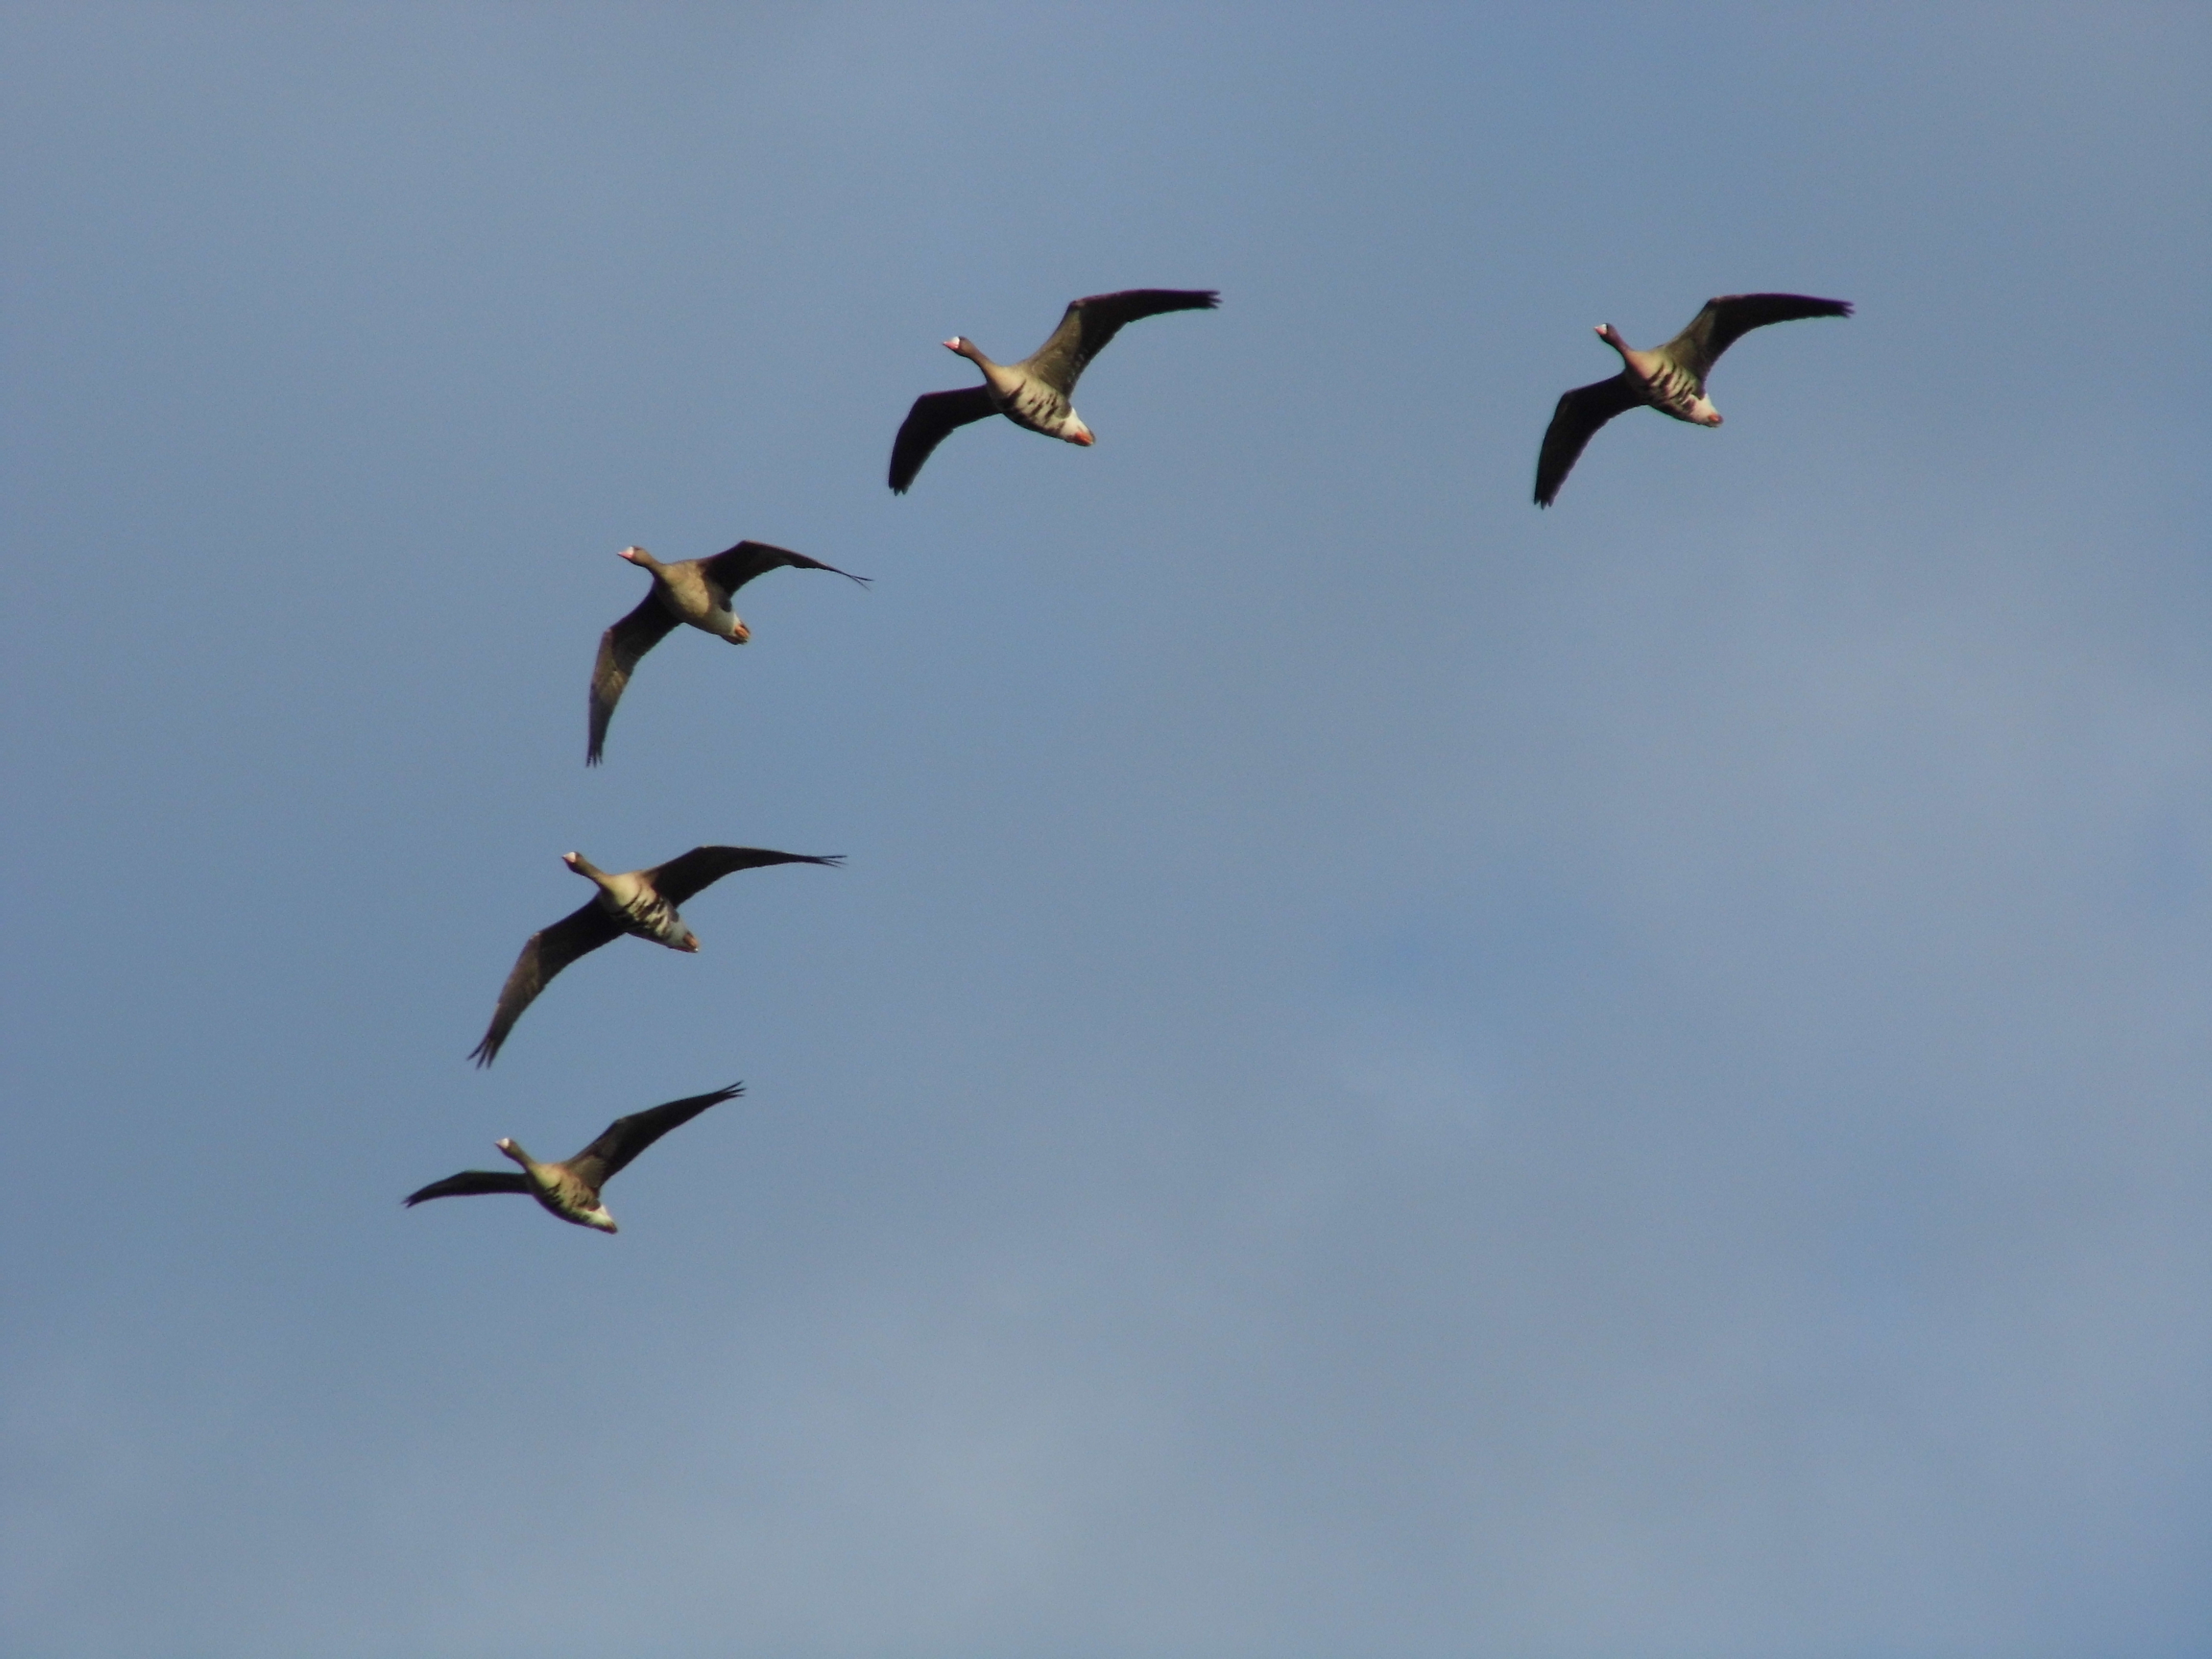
549, 950
470, 1183
620, 647
1088, 325
1578, 417
933, 415
732, 569
626, 1137
1731, 316
685, 874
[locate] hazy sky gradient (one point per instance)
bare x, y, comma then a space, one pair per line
1390, 1073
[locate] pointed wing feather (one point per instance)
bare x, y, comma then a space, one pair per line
626, 1137
549, 951
732, 569
1574, 423
1087, 325
469, 1183
620, 647
687, 873
934, 415
1729, 317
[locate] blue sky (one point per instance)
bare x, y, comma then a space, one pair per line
1389, 1072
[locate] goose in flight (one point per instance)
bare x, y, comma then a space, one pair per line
639, 902
696, 591
1671, 379
1035, 391
571, 1189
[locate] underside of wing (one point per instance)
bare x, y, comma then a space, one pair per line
626, 1137
620, 647
470, 1183
1574, 423
934, 415
549, 950
1088, 324
687, 873
731, 570
1729, 317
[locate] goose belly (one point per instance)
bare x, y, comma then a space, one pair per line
568, 1198
655, 917
1673, 391
705, 609
720, 621
689, 598
645, 913
1037, 407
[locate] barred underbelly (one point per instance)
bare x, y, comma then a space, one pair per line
1674, 393
566, 1199
1038, 408
653, 917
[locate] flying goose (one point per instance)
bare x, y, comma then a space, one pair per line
696, 591
571, 1190
1671, 379
640, 902
1035, 391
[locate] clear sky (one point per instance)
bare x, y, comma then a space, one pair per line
1390, 1073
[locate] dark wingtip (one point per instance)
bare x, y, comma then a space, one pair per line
484, 1054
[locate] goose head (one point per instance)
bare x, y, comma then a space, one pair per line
966, 347
582, 865
639, 557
